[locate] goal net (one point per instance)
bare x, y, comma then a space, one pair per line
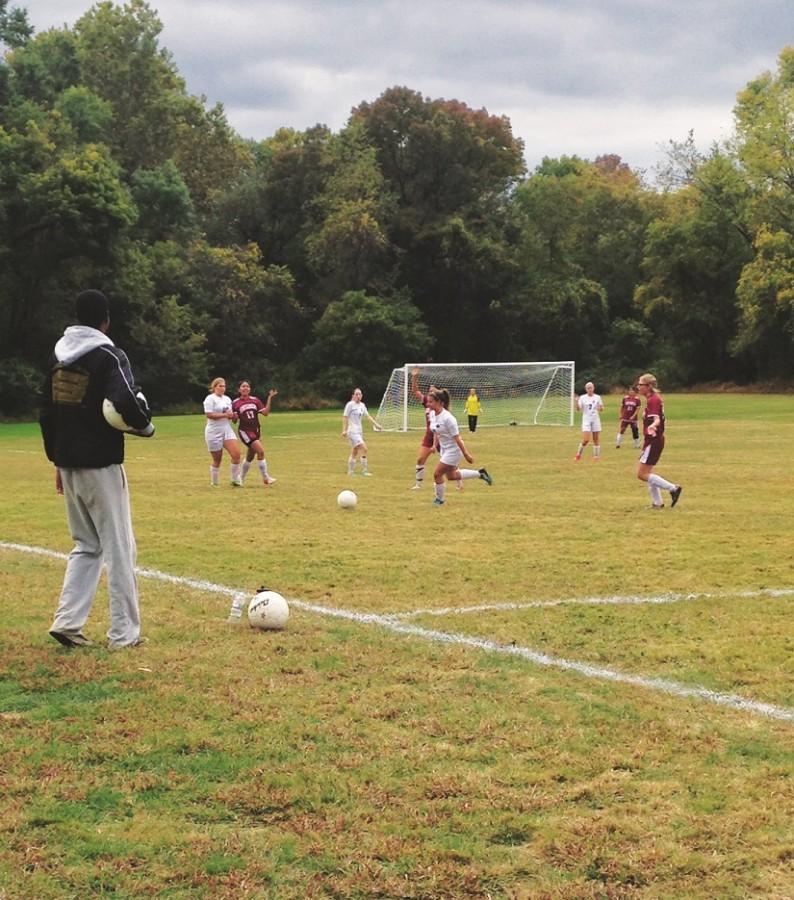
516, 393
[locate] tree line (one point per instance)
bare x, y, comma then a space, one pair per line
318, 260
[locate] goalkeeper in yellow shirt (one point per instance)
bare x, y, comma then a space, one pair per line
473, 409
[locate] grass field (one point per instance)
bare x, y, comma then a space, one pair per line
571, 740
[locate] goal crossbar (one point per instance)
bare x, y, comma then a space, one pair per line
510, 393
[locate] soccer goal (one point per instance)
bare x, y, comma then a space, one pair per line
514, 393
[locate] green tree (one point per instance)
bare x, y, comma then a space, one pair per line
121, 62
350, 249
164, 203
554, 308
450, 170
766, 302
14, 26
694, 255
62, 214
764, 115
254, 322
368, 334
273, 203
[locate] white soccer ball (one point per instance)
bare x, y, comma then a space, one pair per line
113, 416
268, 611
347, 499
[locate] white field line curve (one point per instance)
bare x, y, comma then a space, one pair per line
389, 623
617, 600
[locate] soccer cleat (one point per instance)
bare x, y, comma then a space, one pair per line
437, 502
675, 494
71, 639
367, 474
269, 481
578, 457
656, 506
236, 482
485, 476
416, 487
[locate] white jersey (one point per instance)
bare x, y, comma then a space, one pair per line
590, 404
445, 425
218, 428
355, 413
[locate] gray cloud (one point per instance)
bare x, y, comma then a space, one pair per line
573, 76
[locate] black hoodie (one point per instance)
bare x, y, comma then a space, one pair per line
85, 369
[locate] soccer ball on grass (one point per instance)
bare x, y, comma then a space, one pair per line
268, 611
347, 499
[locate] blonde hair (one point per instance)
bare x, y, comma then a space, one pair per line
648, 379
215, 382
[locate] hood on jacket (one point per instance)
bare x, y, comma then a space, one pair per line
77, 340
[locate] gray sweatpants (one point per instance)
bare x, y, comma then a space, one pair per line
98, 511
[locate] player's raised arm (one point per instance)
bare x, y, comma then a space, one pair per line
415, 385
265, 411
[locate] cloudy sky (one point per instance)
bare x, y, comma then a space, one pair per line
581, 77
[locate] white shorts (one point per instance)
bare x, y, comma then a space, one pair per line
591, 424
355, 438
216, 438
451, 457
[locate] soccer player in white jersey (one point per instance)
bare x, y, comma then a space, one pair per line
352, 429
450, 446
590, 405
218, 432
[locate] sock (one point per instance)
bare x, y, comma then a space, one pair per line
235, 472
420, 474
262, 463
440, 491
636, 443
215, 475
469, 473
579, 451
659, 482
351, 464
618, 440
246, 467
656, 494
363, 463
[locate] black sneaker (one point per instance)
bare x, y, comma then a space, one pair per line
675, 494
485, 476
72, 639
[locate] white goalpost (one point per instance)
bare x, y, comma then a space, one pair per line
512, 393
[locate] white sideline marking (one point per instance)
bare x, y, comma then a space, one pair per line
390, 623
594, 601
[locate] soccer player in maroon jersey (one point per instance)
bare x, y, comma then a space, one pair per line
426, 447
628, 416
653, 431
247, 410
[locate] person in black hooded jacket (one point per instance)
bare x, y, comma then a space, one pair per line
86, 369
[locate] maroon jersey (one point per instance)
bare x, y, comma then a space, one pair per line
425, 401
629, 408
653, 407
247, 411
